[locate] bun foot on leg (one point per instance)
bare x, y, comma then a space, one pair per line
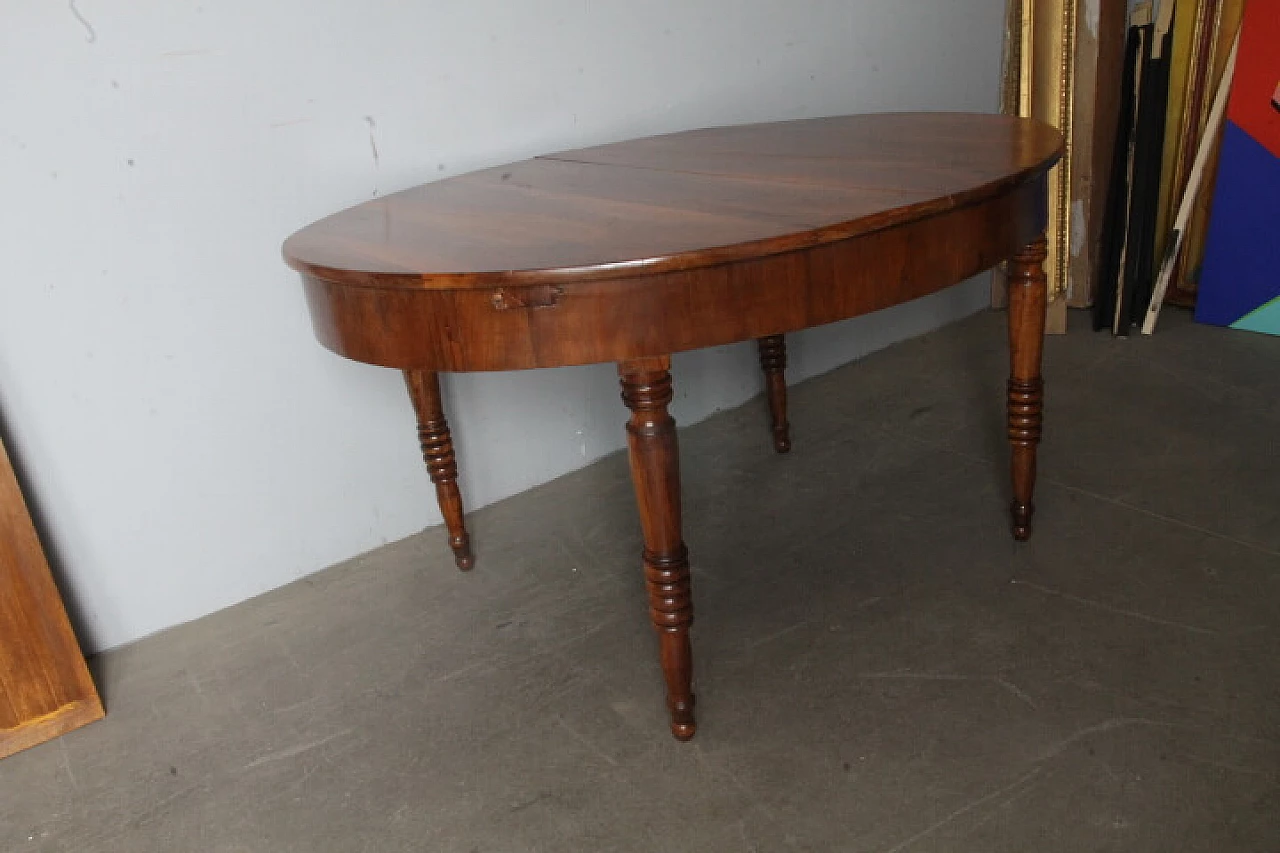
462, 555
773, 361
683, 725
1021, 520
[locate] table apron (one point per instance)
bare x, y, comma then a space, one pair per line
505, 328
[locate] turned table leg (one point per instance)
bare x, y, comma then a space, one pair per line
1027, 298
773, 360
442, 464
655, 472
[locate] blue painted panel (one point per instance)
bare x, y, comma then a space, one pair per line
1242, 253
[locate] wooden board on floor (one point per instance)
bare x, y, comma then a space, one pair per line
45, 688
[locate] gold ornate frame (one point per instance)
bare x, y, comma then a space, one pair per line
1040, 82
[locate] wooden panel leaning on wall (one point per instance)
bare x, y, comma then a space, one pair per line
45, 688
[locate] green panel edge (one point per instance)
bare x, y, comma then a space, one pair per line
1265, 319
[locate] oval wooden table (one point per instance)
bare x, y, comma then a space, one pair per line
633, 251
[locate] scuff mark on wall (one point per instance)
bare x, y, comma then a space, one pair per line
373, 146
91, 35
373, 143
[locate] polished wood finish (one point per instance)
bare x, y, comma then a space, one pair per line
442, 463
612, 319
45, 687
672, 203
1026, 387
773, 360
655, 472
630, 252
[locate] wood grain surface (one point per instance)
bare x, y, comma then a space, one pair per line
45, 688
675, 202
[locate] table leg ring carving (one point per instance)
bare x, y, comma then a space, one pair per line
1027, 298
655, 472
773, 360
442, 465
671, 610
441, 461
1026, 416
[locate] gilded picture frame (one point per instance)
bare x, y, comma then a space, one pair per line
1040, 82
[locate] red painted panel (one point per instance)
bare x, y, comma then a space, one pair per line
1258, 75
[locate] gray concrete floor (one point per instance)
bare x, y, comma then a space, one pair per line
879, 667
